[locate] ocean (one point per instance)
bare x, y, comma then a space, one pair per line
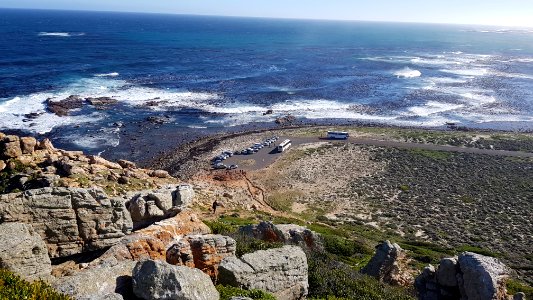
208, 73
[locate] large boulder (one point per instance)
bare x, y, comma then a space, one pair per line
160, 280
153, 242
482, 277
10, 147
389, 265
109, 281
149, 206
70, 220
470, 276
23, 251
282, 272
27, 145
204, 252
283, 233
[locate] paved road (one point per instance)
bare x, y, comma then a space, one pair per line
266, 156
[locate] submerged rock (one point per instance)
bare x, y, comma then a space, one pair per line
63, 107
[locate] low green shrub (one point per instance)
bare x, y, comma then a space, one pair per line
226, 292
219, 227
344, 247
486, 252
515, 286
330, 279
12, 287
248, 245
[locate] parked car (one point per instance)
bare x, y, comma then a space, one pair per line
232, 167
220, 166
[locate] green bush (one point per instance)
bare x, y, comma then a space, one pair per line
219, 227
226, 292
344, 247
514, 286
330, 279
486, 252
12, 287
248, 245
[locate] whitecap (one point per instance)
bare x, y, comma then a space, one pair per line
113, 74
61, 34
433, 107
407, 73
467, 72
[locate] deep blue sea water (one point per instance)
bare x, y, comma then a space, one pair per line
221, 72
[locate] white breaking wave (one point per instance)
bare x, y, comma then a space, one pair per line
433, 107
61, 34
467, 72
407, 73
113, 74
13, 111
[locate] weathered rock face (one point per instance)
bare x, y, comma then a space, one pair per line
284, 233
149, 206
102, 282
70, 220
10, 147
27, 145
160, 280
389, 265
23, 251
204, 252
154, 241
281, 271
482, 277
471, 276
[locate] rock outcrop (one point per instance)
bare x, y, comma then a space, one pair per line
149, 206
389, 265
282, 272
23, 251
30, 164
283, 233
160, 280
154, 241
470, 276
69, 220
204, 252
10, 147
63, 107
109, 281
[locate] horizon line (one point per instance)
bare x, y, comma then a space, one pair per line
265, 17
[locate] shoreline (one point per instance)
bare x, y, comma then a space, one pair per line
172, 159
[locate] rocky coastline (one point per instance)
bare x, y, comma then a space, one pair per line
98, 229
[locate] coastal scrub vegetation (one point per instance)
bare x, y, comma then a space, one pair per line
12, 287
227, 292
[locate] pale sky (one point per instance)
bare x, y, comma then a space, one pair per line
489, 12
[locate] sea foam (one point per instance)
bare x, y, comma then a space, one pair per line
61, 34
407, 73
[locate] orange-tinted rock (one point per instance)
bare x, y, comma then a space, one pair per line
27, 145
153, 241
10, 147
